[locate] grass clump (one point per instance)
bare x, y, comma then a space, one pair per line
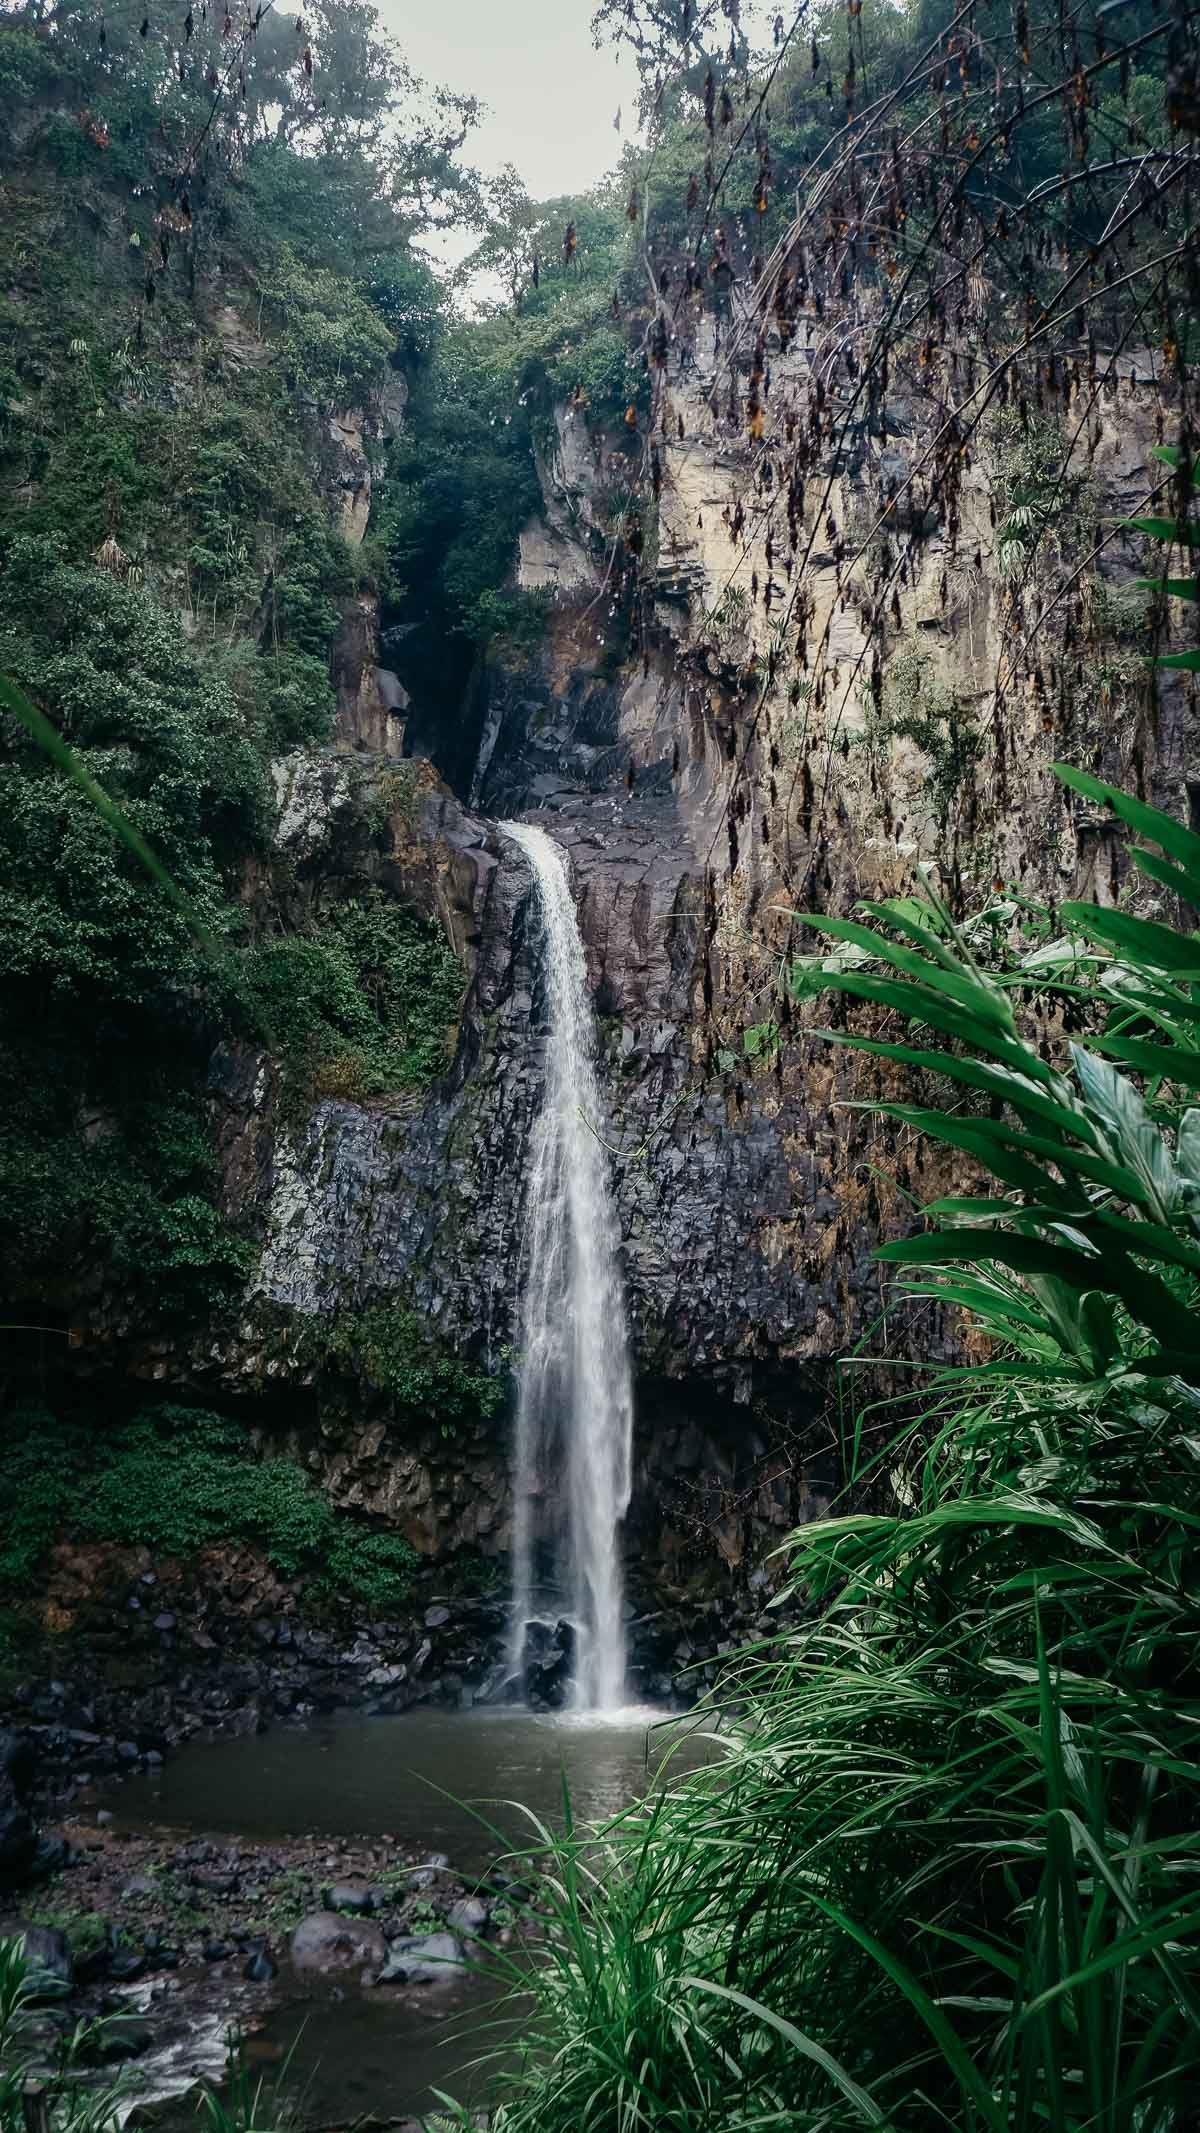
42, 2082
945, 1875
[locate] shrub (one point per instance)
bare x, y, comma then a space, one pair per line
362, 1005
392, 1351
176, 1480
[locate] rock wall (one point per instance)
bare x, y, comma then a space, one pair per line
732, 768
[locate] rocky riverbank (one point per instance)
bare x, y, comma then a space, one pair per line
129, 1656
179, 1943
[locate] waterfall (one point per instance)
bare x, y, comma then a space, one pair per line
575, 1391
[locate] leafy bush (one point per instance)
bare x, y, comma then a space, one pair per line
388, 1346
371, 996
102, 1151
334, 341
113, 671
918, 706
287, 696
176, 1480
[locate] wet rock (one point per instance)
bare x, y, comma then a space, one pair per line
355, 1897
421, 1877
387, 1677
48, 1952
422, 1959
326, 1941
50, 1855
216, 1883
124, 2037
260, 1967
142, 1885
468, 1918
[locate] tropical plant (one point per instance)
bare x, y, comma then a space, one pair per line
42, 2084
944, 1875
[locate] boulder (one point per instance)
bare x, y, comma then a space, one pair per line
49, 1953
468, 1917
325, 1941
355, 1897
260, 1967
422, 1959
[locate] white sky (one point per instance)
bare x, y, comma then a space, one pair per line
552, 98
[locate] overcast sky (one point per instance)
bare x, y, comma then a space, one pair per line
552, 98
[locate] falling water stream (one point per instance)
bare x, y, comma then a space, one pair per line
575, 1392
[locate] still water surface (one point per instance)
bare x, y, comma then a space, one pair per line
425, 1777
464, 1783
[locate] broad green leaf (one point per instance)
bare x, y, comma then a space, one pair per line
1004, 1082
973, 1210
1170, 456
1169, 1062
1187, 1147
976, 997
1139, 938
986, 1137
974, 1138
1184, 884
1132, 1133
1176, 588
1187, 662
1180, 532
1150, 822
1151, 1240
1146, 1296
919, 1006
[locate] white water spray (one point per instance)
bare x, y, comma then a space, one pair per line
575, 1391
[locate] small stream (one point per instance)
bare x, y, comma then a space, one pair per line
460, 1783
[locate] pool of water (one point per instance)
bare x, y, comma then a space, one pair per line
468, 1784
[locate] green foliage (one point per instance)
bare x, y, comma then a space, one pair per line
175, 1480
102, 1152
286, 696
363, 1004
940, 1875
334, 342
41, 2079
1182, 533
29, 65
460, 485
1036, 492
114, 674
389, 1348
104, 1161
917, 706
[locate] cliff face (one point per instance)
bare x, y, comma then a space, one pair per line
735, 767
